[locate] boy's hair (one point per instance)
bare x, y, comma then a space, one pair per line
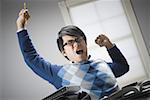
69, 30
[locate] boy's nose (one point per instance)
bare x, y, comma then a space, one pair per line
76, 44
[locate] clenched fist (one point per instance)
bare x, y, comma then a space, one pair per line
22, 19
103, 40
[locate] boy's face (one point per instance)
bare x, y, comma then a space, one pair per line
75, 48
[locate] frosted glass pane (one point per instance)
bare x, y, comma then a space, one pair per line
91, 31
117, 27
99, 53
103, 8
127, 47
135, 73
83, 14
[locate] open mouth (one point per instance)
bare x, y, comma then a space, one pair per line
79, 52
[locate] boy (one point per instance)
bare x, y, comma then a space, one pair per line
96, 77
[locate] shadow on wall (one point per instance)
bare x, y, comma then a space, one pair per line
0, 51
142, 9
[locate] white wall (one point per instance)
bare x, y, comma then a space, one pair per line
19, 81
0, 53
142, 10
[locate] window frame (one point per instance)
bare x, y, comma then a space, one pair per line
136, 32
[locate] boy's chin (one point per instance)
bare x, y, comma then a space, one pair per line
80, 58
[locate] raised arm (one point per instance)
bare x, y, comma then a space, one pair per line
41, 67
119, 65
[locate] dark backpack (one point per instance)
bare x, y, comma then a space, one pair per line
68, 93
74, 96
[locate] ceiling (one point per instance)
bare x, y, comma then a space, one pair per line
27, 0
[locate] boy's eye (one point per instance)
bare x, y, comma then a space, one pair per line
70, 41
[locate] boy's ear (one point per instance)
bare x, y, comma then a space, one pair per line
64, 53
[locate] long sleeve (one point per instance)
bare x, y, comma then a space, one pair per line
41, 67
119, 65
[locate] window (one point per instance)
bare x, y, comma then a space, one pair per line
108, 17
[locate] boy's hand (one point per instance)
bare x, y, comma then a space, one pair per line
22, 19
103, 40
